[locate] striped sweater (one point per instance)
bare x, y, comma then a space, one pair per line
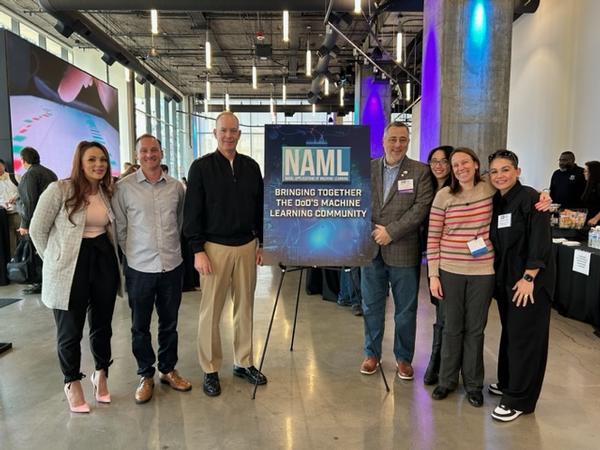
455, 220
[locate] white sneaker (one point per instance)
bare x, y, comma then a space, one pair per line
494, 389
505, 414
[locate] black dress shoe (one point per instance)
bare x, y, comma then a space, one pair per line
212, 387
475, 398
440, 393
251, 374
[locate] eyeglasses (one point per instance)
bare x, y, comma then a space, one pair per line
504, 154
439, 162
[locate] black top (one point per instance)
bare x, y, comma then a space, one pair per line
566, 187
591, 201
223, 205
525, 244
33, 183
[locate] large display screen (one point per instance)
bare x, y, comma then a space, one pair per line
54, 105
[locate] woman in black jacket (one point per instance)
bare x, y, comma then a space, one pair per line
525, 272
591, 195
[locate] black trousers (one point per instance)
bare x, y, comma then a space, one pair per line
94, 291
523, 349
146, 290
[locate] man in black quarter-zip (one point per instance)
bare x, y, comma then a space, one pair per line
223, 221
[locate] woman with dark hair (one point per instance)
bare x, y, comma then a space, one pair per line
439, 164
461, 273
523, 289
591, 195
73, 231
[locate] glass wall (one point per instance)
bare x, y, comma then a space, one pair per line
252, 139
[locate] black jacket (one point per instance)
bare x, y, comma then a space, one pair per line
33, 183
526, 244
223, 205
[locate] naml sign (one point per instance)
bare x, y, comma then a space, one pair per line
315, 164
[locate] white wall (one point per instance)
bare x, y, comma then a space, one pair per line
554, 92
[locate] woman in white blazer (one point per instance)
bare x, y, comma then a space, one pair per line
73, 231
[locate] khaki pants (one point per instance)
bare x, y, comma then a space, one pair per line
235, 268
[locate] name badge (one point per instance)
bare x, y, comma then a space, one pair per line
504, 220
477, 247
405, 186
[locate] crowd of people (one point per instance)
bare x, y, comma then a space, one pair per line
485, 237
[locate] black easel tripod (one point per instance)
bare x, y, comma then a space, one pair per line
283, 270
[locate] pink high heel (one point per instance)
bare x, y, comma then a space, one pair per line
83, 408
99, 398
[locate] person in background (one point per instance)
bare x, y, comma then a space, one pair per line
73, 231
439, 164
401, 196
524, 286
8, 198
461, 273
164, 168
126, 166
148, 208
35, 180
591, 195
567, 183
349, 294
131, 169
224, 225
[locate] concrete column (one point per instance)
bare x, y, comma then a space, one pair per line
466, 74
372, 107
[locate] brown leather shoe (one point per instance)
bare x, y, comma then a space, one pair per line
405, 370
369, 366
174, 380
144, 391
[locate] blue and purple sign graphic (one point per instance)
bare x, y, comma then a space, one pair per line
317, 195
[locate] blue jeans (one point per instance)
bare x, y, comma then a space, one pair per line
146, 290
376, 279
349, 287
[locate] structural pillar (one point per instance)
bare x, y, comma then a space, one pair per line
466, 74
372, 105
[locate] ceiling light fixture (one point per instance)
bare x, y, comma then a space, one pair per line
283, 92
154, 21
226, 100
286, 26
208, 52
399, 47
326, 90
205, 106
207, 94
357, 8
308, 58
342, 96
408, 93
314, 109
254, 76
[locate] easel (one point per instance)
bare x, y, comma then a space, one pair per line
283, 270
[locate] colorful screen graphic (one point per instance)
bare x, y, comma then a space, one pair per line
54, 105
317, 195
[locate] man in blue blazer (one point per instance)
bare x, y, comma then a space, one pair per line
401, 193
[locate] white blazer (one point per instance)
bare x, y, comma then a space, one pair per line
57, 241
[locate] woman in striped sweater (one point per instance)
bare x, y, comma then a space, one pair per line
461, 273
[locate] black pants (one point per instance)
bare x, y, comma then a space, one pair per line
146, 290
93, 291
523, 349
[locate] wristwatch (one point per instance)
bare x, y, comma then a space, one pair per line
528, 277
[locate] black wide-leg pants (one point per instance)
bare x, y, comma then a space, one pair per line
523, 349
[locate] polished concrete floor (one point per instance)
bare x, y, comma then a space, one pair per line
316, 398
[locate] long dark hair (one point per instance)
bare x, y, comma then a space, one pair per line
81, 186
593, 181
455, 186
447, 149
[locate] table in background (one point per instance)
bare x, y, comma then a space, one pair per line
576, 295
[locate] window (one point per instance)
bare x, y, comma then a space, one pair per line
30, 34
5, 21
